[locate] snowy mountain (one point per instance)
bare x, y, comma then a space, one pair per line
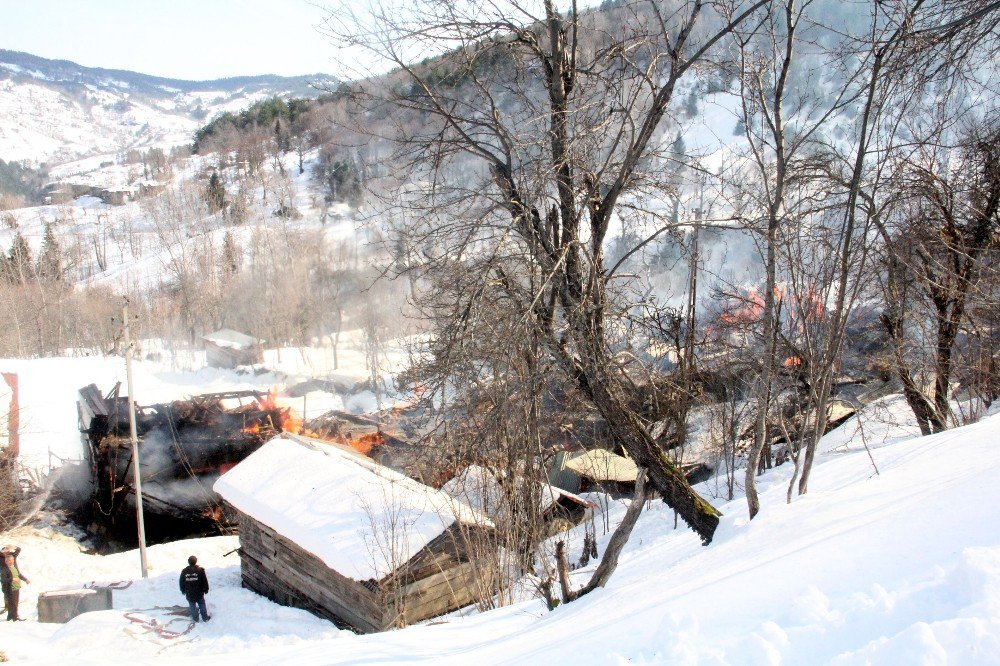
55, 111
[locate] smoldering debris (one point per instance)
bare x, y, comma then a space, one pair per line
376, 439
183, 448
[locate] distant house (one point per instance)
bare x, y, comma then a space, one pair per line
481, 489
148, 188
59, 193
578, 471
227, 348
327, 529
115, 196
599, 469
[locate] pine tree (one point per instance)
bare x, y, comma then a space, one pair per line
281, 137
50, 260
232, 257
22, 266
215, 196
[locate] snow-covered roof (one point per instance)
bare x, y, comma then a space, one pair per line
227, 337
479, 488
601, 465
360, 518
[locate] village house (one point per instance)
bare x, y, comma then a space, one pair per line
581, 471
116, 196
324, 528
227, 348
601, 470
184, 446
482, 489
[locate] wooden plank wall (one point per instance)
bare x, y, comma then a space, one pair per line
440, 578
443, 577
280, 570
441, 593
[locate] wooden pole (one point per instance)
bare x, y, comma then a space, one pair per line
136, 476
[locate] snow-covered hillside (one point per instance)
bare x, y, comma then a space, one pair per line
56, 111
41, 123
128, 247
896, 567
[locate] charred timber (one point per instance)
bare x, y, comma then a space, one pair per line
183, 447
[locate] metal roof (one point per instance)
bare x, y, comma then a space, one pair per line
601, 465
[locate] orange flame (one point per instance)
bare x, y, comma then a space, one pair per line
291, 421
365, 443
287, 419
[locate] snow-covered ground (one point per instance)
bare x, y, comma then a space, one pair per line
48, 387
53, 561
898, 567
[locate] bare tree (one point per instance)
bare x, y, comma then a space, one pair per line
946, 220
810, 256
764, 72
552, 134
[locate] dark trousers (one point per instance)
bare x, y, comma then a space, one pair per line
11, 597
196, 605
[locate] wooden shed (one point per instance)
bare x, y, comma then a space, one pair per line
227, 348
327, 529
483, 490
580, 471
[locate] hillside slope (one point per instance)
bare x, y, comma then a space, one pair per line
56, 111
898, 567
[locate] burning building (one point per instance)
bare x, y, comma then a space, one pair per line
368, 437
184, 446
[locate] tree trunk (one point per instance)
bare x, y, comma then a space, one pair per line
609, 562
666, 477
761, 435
947, 332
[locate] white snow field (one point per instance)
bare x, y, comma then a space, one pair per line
900, 567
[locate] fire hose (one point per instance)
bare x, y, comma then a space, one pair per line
152, 625
117, 585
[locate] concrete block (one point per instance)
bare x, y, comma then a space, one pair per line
61, 606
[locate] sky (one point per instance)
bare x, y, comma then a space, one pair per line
183, 39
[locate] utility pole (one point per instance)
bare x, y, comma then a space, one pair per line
691, 318
136, 476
